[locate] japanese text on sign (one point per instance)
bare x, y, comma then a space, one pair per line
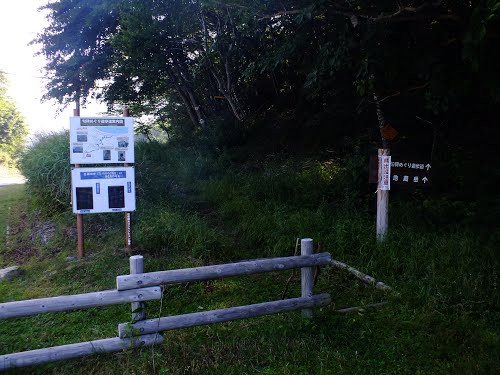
411, 173
384, 163
105, 140
106, 189
101, 121
102, 175
397, 164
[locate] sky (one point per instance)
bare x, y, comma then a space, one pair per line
20, 22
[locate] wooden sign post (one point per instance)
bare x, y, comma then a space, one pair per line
128, 228
79, 217
385, 172
102, 140
384, 185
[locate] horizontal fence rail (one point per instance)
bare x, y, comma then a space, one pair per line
218, 271
76, 302
82, 349
221, 315
139, 287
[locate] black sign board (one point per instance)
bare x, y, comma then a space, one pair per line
116, 196
411, 173
84, 198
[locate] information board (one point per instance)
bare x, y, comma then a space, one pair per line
101, 140
411, 173
96, 190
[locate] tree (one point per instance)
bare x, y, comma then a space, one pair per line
142, 49
283, 68
77, 47
13, 129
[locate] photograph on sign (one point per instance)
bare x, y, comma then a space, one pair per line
101, 140
97, 190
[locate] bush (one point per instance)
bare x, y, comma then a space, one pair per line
162, 231
46, 166
166, 171
5, 159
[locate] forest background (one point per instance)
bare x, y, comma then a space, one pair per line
259, 119
297, 77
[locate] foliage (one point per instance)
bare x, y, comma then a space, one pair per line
73, 68
13, 129
284, 155
170, 231
46, 166
216, 70
167, 170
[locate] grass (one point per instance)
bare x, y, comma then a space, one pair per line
445, 321
10, 196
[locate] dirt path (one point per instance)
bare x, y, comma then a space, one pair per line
6, 181
7, 178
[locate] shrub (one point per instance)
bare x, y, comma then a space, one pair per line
46, 166
166, 171
163, 230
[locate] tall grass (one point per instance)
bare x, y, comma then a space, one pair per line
446, 267
162, 231
166, 172
195, 208
210, 208
46, 166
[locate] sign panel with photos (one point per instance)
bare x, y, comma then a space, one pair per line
101, 140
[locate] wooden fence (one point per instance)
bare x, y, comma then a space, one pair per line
139, 287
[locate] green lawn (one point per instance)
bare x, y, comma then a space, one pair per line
10, 198
419, 332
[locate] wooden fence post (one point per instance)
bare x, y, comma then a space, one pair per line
307, 274
137, 266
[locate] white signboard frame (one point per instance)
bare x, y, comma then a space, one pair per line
101, 140
103, 189
384, 173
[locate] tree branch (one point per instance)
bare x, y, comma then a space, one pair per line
401, 15
281, 13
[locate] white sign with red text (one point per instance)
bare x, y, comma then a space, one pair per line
384, 172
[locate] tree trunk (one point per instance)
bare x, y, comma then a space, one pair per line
186, 87
226, 88
381, 121
180, 88
235, 108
